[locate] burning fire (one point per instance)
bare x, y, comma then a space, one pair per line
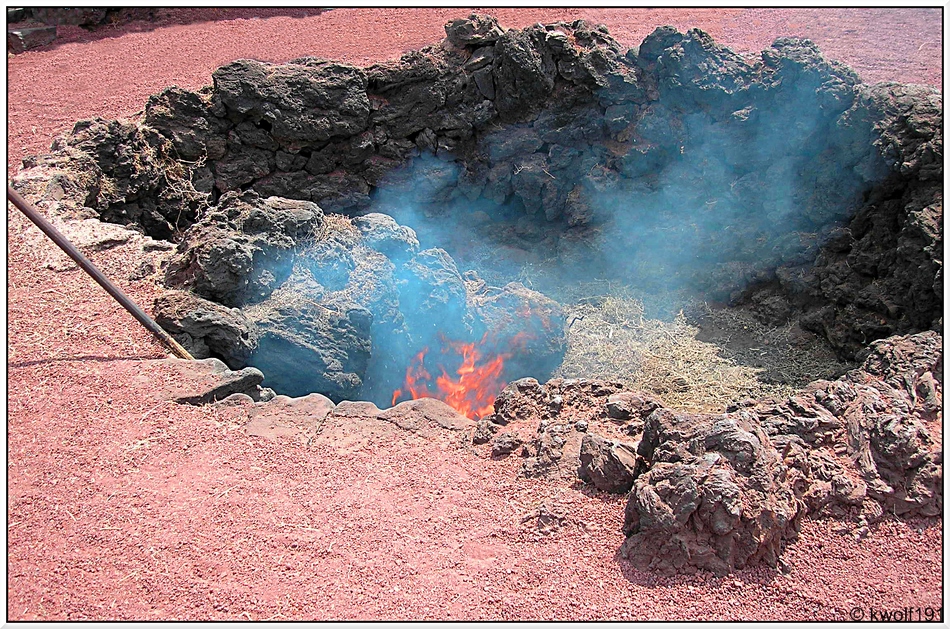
471, 391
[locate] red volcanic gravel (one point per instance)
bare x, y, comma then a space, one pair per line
122, 507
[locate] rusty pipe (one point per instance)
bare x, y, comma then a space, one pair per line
57, 237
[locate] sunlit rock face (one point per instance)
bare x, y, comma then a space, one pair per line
776, 180
367, 234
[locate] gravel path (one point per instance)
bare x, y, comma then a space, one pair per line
122, 507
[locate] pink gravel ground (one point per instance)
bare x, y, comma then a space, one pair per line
123, 507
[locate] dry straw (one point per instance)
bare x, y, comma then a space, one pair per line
699, 362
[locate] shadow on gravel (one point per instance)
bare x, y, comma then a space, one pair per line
759, 575
72, 359
139, 20
594, 493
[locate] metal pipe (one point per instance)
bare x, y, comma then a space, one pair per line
40, 221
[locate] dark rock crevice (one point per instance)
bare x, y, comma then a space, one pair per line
676, 165
725, 491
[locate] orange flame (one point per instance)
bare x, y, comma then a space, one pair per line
472, 390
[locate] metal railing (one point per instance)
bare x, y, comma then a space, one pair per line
57, 237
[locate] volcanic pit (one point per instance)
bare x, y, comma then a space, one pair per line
420, 228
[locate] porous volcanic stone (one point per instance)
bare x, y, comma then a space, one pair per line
868, 439
607, 465
304, 102
505, 443
23, 39
778, 171
484, 431
243, 248
517, 317
716, 496
311, 347
631, 406
210, 380
417, 415
476, 30
206, 328
187, 120
382, 233
432, 294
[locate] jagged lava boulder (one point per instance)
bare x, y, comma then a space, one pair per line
308, 346
717, 496
338, 306
607, 465
206, 328
868, 442
243, 248
676, 164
